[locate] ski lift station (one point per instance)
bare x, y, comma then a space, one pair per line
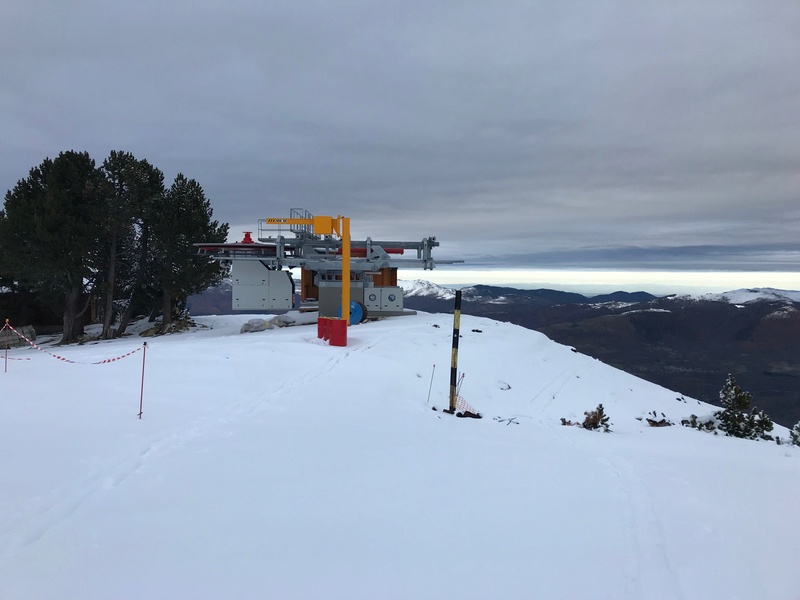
321, 247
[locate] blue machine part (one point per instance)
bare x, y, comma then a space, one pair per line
357, 312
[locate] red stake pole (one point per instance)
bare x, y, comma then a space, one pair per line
141, 393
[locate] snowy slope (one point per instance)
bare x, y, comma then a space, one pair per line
271, 465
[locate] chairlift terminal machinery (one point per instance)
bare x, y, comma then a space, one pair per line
322, 249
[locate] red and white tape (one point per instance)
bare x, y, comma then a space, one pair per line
462, 405
63, 359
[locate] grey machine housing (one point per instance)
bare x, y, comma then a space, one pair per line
262, 279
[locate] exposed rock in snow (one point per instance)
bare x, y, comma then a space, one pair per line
255, 325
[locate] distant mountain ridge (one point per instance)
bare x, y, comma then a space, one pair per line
419, 287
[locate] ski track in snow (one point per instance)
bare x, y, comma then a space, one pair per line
54, 507
377, 341
329, 366
59, 504
648, 574
652, 577
554, 394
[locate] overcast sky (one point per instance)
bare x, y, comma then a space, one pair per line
542, 133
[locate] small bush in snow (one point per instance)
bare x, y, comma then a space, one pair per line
701, 423
597, 419
654, 421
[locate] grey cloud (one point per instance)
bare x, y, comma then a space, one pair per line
768, 257
525, 129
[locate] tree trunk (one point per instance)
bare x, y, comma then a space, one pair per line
126, 317
137, 283
166, 310
108, 315
166, 300
73, 326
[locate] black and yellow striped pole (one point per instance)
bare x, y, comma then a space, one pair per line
454, 360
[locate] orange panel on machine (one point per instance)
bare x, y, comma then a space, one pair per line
307, 287
386, 277
390, 277
323, 225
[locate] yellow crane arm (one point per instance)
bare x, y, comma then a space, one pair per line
321, 225
325, 225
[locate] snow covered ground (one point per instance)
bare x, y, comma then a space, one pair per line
271, 465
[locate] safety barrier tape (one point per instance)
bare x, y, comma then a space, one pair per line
64, 359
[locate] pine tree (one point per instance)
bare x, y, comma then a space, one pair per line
738, 419
50, 231
181, 219
734, 400
140, 287
759, 425
794, 434
135, 185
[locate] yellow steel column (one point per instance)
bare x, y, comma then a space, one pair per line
345, 268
